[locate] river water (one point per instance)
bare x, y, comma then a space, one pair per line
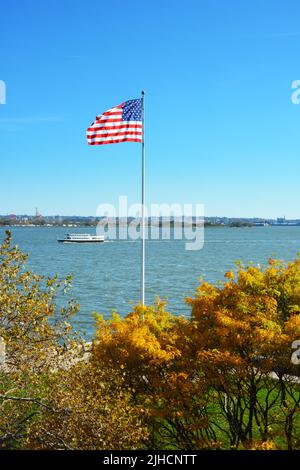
106, 276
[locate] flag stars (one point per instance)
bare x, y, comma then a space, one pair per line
132, 110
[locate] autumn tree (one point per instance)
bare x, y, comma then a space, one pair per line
222, 378
148, 346
242, 335
50, 396
89, 409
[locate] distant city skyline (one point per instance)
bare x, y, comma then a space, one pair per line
97, 217
221, 126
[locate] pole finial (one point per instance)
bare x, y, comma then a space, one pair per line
143, 92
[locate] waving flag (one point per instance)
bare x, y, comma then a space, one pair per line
122, 123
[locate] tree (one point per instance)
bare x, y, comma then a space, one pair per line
50, 396
148, 346
242, 337
222, 378
89, 409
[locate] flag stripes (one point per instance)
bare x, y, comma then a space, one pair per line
123, 123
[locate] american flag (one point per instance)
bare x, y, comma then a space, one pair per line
123, 123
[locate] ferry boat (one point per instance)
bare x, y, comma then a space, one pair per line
81, 238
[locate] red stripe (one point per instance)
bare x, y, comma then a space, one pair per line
114, 141
110, 134
112, 113
101, 121
122, 126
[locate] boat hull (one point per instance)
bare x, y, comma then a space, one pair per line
79, 241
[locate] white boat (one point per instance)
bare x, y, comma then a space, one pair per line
81, 238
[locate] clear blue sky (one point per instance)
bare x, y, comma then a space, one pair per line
220, 125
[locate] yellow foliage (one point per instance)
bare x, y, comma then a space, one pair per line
263, 445
221, 378
146, 335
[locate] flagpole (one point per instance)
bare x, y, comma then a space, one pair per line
143, 207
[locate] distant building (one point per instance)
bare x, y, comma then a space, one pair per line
37, 214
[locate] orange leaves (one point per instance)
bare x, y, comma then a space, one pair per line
257, 312
262, 445
145, 336
219, 360
292, 326
229, 275
242, 339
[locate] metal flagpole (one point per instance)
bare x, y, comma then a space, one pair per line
143, 206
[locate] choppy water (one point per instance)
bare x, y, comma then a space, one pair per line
106, 276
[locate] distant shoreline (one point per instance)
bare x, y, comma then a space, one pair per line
185, 224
